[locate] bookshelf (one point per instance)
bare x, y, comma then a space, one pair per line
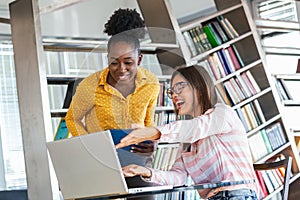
287, 85
235, 60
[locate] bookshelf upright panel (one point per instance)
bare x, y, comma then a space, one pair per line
227, 45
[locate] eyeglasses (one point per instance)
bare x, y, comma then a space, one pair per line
177, 89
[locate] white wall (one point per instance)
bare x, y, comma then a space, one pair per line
87, 19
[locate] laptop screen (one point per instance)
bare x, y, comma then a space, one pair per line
85, 165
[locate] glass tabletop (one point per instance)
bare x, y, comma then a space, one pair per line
175, 191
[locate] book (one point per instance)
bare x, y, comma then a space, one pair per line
283, 90
247, 119
251, 116
234, 59
266, 140
243, 119
253, 81
278, 179
220, 31
209, 67
225, 27
229, 60
231, 28
238, 56
173, 156
62, 131
190, 43
232, 93
272, 179
268, 182
249, 84
223, 62
237, 89
118, 134
203, 38
218, 64
165, 156
215, 32
210, 36
256, 155
261, 183
241, 83
214, 67
259, 111
255, 114
196, 40
222, 94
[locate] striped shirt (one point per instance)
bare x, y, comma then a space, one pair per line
219, 149
97, 106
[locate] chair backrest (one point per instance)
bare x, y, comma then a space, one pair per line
287, 164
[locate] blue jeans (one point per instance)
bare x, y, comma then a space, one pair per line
240, 194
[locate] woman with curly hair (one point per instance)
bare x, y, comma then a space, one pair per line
123, 93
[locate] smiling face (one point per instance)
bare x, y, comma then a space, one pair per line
185, 102
123, 60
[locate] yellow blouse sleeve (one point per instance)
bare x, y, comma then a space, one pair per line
82, 102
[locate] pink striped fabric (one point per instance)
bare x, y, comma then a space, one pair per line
219, 149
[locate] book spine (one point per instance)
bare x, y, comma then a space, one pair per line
223, 62
203, 38
218, 29
190, 43
234, 59
219, 64
210, 36
238, 56
230, 27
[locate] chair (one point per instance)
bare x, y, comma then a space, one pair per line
287, 164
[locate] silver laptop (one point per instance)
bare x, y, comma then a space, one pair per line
88, 166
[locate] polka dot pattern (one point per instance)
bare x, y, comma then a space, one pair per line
97, 106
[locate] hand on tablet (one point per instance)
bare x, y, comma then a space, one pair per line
139, 135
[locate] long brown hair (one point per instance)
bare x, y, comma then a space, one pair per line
199, 80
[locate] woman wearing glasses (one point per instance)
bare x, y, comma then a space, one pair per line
219, 147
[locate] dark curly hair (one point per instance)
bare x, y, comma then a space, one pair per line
125, 25
125, 20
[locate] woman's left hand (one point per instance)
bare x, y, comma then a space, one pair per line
136, 170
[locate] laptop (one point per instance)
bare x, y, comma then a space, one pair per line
88, 166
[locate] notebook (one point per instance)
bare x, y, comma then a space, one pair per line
88, 166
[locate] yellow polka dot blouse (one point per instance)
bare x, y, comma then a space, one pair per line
97, 106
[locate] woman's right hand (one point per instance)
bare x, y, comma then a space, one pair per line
139, 135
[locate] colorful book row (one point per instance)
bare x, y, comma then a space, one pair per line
162, 99
238, 88
251, 115
268, 140
270, 180
223, 62
209, 35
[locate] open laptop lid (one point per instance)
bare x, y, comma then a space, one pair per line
87, 166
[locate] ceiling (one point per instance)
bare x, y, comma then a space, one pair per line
86, 19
